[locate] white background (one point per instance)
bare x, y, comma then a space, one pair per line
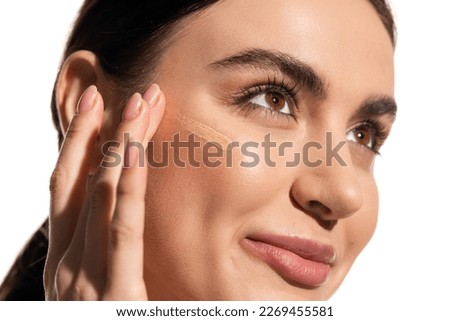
405, 269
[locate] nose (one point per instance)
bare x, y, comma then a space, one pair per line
331, 190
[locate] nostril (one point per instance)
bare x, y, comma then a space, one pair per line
318, 208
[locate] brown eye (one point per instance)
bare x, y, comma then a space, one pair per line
363, 136
272, 100
275, 100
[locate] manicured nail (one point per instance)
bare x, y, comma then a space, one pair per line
133, 108
87, 100
151, 95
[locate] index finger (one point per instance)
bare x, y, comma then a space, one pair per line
68, 181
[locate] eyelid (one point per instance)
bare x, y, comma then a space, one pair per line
264, 89
379, 131
289, 89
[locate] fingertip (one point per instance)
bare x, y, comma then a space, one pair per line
156, 115
159, 107
99, 102
151, 95
161, 101
87, 99
133, 108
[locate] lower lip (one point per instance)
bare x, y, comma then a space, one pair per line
289, 265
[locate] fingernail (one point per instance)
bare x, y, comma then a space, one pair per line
133, 108
87, 100
151, 95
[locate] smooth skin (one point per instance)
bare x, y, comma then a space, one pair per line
179, 233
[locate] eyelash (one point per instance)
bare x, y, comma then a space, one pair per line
288, 90
378, 130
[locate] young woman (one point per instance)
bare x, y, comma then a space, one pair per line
261, 121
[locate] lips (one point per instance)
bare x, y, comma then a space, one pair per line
300, 261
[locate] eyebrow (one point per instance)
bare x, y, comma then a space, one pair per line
264, 59
376, 107
303, 74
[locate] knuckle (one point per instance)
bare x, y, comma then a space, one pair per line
100, 186
124, 191
62, 279
70, 286
127, 190
73, 130
81, 291
58, 180
121, 234
102, 194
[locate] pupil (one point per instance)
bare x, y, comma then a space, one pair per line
275, 101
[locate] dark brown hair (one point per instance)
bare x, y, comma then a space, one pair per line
128, 37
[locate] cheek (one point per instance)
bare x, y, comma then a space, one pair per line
195, 213
206, 169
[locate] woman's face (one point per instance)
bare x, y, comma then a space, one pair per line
296, 96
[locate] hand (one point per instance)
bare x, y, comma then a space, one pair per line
96, 249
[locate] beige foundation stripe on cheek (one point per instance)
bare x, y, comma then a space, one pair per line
203, 131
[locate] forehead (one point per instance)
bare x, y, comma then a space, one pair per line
344, 40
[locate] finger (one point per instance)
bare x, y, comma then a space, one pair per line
67, 184
126, 246
100, 204
104, 183
158, 104
125, 280
86, 254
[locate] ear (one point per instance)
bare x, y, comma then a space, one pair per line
80, 70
